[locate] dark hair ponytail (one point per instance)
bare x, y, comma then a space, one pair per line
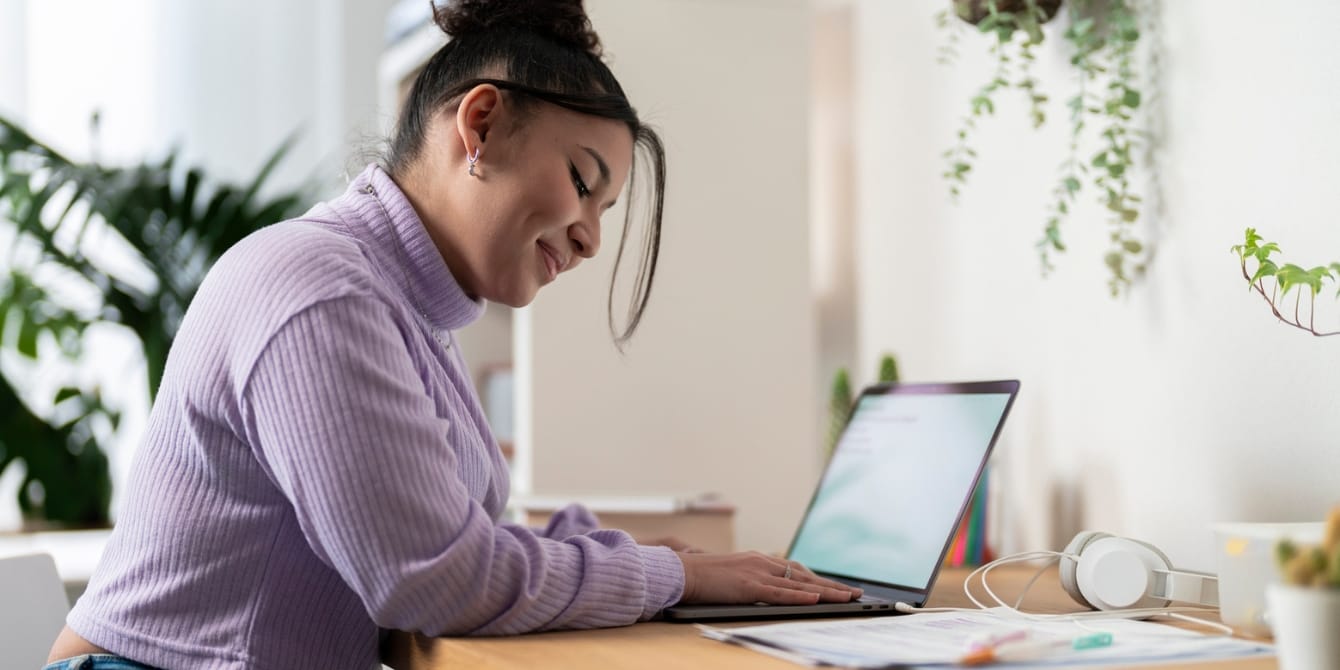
550, 54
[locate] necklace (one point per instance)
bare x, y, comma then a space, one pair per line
404, 271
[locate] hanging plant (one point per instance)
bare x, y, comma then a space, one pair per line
1102, 35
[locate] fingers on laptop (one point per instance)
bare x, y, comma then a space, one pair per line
803, 579
747, 577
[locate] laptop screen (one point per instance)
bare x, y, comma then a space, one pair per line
900, 476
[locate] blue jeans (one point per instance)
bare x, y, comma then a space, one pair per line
97, 662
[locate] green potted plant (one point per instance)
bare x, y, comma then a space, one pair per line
1305, 607
176, 222
840, 399
1273, 280
1102, 36
839, 409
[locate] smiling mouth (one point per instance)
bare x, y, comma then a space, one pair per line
552, 265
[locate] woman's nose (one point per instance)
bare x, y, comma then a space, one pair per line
585, 238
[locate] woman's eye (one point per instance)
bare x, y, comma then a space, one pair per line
582, 190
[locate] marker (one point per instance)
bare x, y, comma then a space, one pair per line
996, 638
1032, 650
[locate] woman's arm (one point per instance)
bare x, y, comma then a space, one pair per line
336, 412
574, 519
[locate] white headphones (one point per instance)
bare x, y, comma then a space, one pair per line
1106, 572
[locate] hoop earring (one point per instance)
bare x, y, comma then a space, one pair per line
472, 160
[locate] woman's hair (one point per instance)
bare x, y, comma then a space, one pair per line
550, 54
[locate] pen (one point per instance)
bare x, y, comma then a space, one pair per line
1032, 650
997, 638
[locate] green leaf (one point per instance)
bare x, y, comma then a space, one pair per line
1034, 32
27, 344
1131, 98
1052, 235
1265, 269
1071, 184
65, 394
266, 170
1316, 276
1289, 276
1132, 247
1115, 263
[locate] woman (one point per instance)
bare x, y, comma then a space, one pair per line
317, 466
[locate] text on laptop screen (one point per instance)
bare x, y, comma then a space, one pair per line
898, 478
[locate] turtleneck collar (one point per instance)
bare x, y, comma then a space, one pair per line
391, 225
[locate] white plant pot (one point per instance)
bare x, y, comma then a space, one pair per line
1306, 622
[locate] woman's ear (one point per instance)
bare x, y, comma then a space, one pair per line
478, 114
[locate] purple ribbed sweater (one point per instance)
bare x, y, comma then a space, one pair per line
317, 467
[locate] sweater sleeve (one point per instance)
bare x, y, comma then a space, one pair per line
340, 419
574, 519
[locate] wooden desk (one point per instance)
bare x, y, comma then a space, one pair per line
679, 646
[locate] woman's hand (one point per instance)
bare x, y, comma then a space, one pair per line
751, 577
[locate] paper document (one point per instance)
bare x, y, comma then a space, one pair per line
939, 639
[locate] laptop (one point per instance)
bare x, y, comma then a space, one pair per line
894, 492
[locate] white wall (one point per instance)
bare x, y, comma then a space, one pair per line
716, 391
238, 78
1174, 407
226, 83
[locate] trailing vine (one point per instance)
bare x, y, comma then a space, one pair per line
1103, 35
1282, 279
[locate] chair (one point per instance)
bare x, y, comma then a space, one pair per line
32, 609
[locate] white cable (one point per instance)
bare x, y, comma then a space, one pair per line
1051, 558
1018, 602
1078, 618
1223, 628
984, 571
1017, 558
912, 609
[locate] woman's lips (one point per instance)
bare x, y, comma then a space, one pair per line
552, 266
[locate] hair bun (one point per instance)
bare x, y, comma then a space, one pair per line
563, 21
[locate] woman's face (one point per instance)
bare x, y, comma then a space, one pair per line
532, 210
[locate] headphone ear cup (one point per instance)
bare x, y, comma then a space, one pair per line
1117, 573
1167, 562
1069, 566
